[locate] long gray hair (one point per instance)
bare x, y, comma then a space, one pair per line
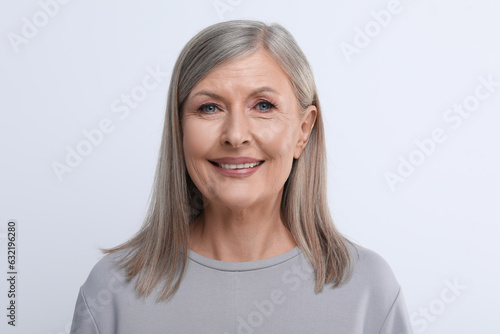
158, 252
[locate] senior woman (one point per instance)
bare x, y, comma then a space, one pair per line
238, 237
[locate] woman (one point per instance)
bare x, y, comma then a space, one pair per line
238, 237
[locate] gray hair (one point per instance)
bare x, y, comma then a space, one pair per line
159, 249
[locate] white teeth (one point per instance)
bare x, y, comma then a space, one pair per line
239, 166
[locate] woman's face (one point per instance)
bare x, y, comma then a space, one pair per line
245, 109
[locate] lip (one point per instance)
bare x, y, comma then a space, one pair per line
235, 160
243, 172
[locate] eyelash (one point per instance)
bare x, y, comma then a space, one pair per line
271, 106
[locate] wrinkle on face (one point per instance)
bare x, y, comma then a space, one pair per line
271, 136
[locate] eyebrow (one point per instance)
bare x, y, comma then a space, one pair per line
253, 93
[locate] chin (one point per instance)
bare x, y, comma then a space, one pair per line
235, 203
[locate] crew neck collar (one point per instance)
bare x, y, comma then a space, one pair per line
243, 266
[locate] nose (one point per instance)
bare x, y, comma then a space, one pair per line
236, 130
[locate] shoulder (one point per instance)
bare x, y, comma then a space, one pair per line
373, 291
106, 277
103, 293
367, 261
372, 272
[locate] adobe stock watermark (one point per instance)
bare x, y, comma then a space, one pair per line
95, 304
454, 118
223, 6
421, 319
121, 108
31, 26
363, 36
292, 278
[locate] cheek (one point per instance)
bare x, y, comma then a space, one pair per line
196, 139
199, 140
196, 147
277, 138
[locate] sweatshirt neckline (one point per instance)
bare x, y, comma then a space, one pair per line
243, 266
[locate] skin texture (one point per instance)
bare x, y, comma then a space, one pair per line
241, 218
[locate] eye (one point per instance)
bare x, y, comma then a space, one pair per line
208, 108
265, 105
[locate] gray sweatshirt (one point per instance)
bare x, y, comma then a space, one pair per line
274, 295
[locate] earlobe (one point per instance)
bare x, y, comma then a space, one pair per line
306, 127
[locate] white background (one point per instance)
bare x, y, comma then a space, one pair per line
438, 227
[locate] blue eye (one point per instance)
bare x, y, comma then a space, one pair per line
265, 105
211, 108
208, 108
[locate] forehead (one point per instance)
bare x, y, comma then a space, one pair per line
249, 72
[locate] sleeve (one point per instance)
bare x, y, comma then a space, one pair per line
83, 321
397, 320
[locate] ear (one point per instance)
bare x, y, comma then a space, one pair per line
306, 125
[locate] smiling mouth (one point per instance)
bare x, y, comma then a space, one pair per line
238, 166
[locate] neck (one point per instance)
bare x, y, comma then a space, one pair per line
243, 235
